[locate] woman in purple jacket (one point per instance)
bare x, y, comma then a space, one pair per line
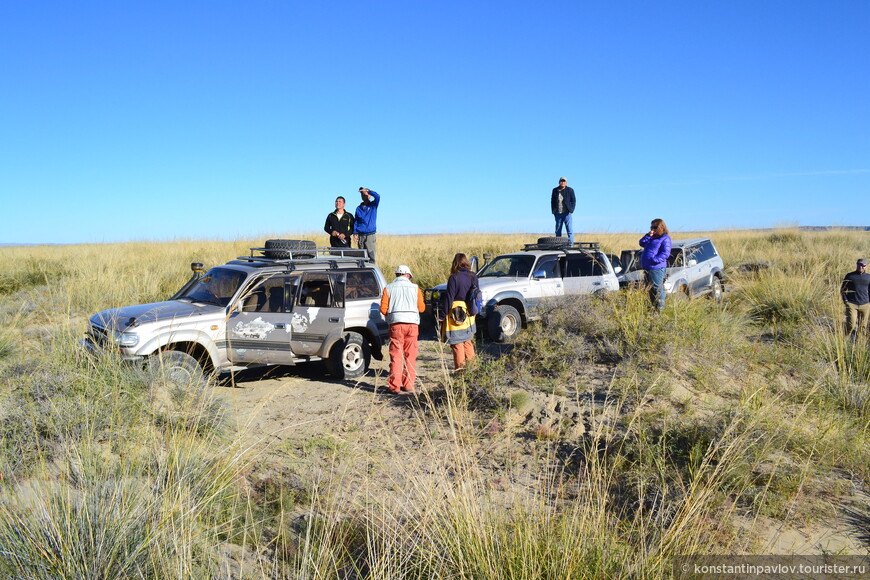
654, 259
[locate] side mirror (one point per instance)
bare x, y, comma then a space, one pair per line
540, 274
474, 261
693, 262
617, 269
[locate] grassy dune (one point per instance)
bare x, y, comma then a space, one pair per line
607, 440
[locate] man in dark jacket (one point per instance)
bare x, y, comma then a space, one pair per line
339, 225
855, 291
562, 202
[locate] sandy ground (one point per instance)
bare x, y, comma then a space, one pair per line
297, 415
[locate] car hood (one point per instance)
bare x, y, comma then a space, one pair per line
122, 318
489, 287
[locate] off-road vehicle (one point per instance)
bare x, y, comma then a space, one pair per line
694, 268
514, 285
287, 303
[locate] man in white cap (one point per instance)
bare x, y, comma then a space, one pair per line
402, 303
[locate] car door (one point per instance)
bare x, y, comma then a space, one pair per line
547, 277
700, 266
584, 274
318, 310
259, 329
631, 276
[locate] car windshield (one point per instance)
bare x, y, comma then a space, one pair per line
217, 286
513, 266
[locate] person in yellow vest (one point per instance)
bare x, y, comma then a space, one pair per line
458, 325
402, 302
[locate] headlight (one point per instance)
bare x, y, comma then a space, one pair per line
126, 339
669, 284
436, 294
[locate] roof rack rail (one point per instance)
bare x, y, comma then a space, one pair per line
307, 255
588, 246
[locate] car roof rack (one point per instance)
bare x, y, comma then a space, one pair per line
583, 246
332, 256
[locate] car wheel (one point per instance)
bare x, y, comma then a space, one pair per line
173, 370
682, 293
286, 249
349, 357
504, 323
717, 292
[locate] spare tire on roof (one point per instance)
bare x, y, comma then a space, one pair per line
286, 249
555, 241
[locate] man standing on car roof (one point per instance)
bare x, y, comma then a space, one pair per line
562, 202
855, 291
339, 225
402, 302
365, 221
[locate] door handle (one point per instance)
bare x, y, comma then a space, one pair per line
333, 319
281, 325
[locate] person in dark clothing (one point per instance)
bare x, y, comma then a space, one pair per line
457, 324
562, 203
339, 225
855, 291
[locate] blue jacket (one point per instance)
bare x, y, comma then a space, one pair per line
366, 216
656, 251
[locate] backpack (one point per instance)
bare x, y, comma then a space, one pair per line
474, 299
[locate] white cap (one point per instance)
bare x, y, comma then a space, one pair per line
403, 269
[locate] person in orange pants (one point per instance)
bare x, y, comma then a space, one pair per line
402, 302
458, 325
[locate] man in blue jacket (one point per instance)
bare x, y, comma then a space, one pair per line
562, 202
365, 221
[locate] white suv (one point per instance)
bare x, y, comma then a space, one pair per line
694, 268
285, 304
514, 285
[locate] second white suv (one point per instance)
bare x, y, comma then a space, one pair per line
694, 268
514, 285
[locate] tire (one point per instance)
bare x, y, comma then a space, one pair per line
682, 293
504, 323
556, 241
350, 357
174, 370
286, 249
716, 290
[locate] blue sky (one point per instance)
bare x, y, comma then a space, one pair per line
168, 120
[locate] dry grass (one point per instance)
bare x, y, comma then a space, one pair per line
753, 408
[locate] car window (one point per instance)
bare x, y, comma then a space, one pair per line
362, 284
272, 294
217, 286
316, 291
676, 259
548, 267
706, 251
514, 266
583, 265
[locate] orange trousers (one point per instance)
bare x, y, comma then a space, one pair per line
403, 356
462, 353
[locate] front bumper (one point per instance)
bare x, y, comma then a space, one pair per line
90, 347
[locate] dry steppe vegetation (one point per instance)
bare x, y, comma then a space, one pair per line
602, 443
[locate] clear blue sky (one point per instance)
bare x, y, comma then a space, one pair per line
163, 120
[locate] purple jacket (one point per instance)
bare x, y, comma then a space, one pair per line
656, 251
